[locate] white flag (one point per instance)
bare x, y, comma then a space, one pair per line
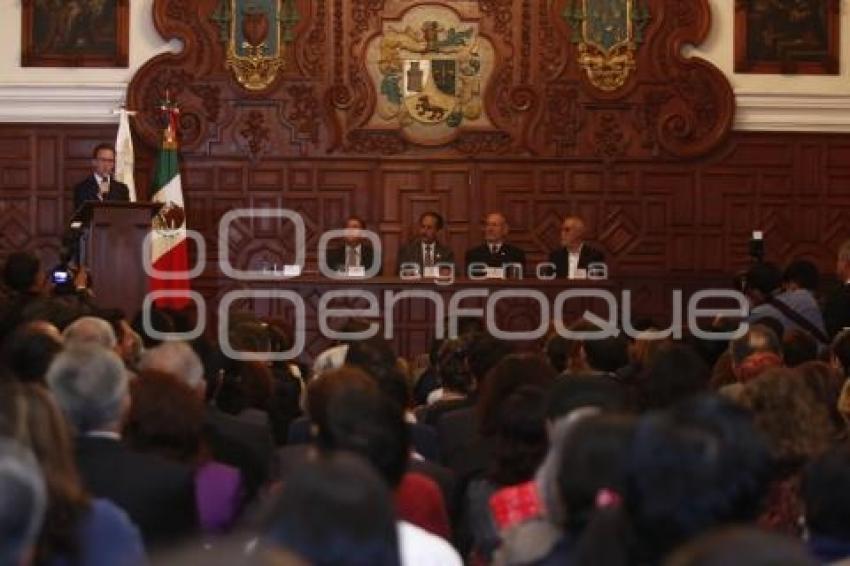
124, 154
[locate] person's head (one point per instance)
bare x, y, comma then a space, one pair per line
798, 346
826, 494
572, 232
605, 354
451, 365
842, 265
354, 226
483, 353
375, 356
29, 415
511, 373
677, 373
761, 281
698, 466
495, 227
178, 359
741, 546
23, 503
521, 441
27, 353
90, 330
90, 385
334, 510
22, 273
371, 425
125, 337
593, 455
756, 351
332, 383
248, 385
785, 409
430, 224
103, 159
801, 274
166, 416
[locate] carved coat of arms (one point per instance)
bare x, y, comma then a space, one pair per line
607, 34
255, 34
430, 72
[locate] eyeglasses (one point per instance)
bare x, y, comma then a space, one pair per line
105, 159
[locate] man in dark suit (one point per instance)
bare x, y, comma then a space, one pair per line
100, 185
355, 251
574, 255
426, 251
836, 309
495, 252
90, 384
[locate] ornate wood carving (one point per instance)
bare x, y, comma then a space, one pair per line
537, 100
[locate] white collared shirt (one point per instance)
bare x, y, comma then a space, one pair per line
433, 246
100, 182
358, 255
572, 262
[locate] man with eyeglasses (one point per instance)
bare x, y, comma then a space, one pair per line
100, 185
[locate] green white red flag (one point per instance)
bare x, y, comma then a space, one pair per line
169, 247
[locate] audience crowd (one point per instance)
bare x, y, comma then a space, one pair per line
117, 448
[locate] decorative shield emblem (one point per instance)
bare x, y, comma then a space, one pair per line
430, 68
607, 34
255, 33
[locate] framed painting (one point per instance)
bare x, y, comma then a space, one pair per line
787, 36
75, 33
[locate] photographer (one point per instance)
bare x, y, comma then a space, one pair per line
33, 293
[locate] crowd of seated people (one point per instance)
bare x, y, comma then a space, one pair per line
117, 448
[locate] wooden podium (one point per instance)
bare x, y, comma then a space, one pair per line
111, 249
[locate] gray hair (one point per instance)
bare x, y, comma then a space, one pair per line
90, 330
178, 359
90, 384
23, 501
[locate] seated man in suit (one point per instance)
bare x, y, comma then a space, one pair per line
100, 185
426, 251
495, 252
355, 251
574, 254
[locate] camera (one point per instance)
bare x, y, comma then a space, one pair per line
61, 275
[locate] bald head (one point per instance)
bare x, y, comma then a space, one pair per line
572, 232
90, 330
495, 227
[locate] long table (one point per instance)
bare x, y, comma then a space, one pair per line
411, 312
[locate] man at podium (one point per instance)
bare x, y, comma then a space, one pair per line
100, 186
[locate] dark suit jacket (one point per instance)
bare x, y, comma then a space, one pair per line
157, 494
506, 254
463, 449
87, 189
836, 310
412, 253
588, 255
336, 258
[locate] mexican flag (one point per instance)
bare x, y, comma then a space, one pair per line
169, 246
